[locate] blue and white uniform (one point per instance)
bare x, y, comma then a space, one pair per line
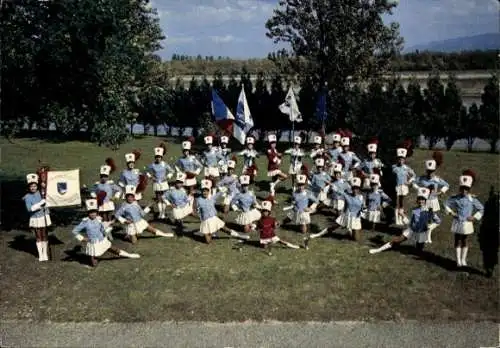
351, 217
160, 173
374, 202
438, 185
130, 177
191, 165
296, 156
112, 191
249, 156
133, 212
39, 216
225, 154
182, 202
228, 185
338, 201
420, 221
211, 159
334, 153
349, 161
463, 207
205, 207
404, 176
368, 166
320, 184
300, 203
245, 202
94, 230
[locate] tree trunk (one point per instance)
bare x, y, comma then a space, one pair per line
155, 129
432, 142
470, 144
449, 142
493, 143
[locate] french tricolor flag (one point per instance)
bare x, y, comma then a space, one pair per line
222, 115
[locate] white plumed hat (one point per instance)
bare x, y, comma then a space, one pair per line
181, 177
423, 192
130, 190
372, 147
271, 138
105, 170
345, 141
356, 182
466, 180
231, 164
186, 145
206, 184
159, 151
320, 162
32, 178
401, 152
266, 205
317, 139
374, 179
245, 180
130, 157
336, 137
224, 139
430, 165
301, 179
208, 140
337, 167
250, 140
91, 204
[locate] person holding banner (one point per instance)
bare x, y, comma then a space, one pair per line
105, 190
39, 216
160, 172
273, 164
94, 238
130, 175
189, 165
296, 155
249, 156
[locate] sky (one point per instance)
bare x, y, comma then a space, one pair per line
236, 28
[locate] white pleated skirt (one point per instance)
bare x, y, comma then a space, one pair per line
211, 225
417, 237
107, 206
366, 183
338, 204
271, 240
248, 217
137, 227
180, 213
402, 190
212, 171
348, 221
371, 215
466, 227
302, 218
227, 198
275, 172
97, 249
433, 204
190, 182
40, 222
160, 186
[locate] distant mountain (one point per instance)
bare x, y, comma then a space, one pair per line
490, 41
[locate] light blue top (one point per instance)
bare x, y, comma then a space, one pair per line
231, 182
338, 186
109, 187
93, 228
159, 171
301, 200
249, 157
421, 218
177, 197
206, 206
188, 164
31, 199
130, 177
295, 156
438, 183
244, 200
334, 153
130, 211
464, 206
319, 181
403, 174
211, 157
351, 160
225, 154
370, 164
375, 198
354, 204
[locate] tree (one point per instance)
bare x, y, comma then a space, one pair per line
490, 111
434, 111
470, 123
335, 41
453, 108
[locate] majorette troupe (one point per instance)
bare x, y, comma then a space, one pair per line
341, 182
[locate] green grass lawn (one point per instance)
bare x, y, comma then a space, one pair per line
185, 279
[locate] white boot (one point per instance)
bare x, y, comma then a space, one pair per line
45, 250
429, 233
398, 219
293, 246
319, 234
464, 256
239, 235
459, 256
271, 188
40, 251
253, 227
123, 253
382, 248
163, 234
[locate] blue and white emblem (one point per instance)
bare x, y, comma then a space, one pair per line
62, 187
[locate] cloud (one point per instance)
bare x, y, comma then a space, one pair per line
180, 40
225, 38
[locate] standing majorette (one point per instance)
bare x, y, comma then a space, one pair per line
105, 190
249, 155
430, 180
349, 160
96, 243
273, 164
246, 202
211, 159
266, 226
228, 185
160, 172
404, 177
376, 199
39, 216
318, 151
180, 201
225, 152
320, 183
335, 149
189, 165
132, 215
300, 210
130, 175
339, 184
419, 223
465, 209
296, 155
371, 165
210, 222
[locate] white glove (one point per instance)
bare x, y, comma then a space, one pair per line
79, 237
385, 204
169, 176
197, 171
148, 174
221, 163
93, 195
147, 210
121, 219
223, 189
234, 207
121, 184
118, 195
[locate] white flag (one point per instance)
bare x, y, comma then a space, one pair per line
243, 121
63, 188
290, 107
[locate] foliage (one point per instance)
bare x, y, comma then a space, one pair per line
490, 110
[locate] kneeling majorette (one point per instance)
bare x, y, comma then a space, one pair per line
422, 219
338, 185
210, 222
350, 218
182, 204
404, 177
130, 175
430, 180
349, 160
296, 155
376, 199
39, 216
300, 210
189, 165
160, 172
228, 185
266, 226
246, 202
273, 166
105, 190
96, 243
211, 159
318, 151
465, 209
249, 156
320, 183
132, 215
372, 165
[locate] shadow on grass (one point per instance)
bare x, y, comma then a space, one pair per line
27, 244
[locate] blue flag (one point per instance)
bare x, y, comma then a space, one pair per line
321, 107
222, 115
